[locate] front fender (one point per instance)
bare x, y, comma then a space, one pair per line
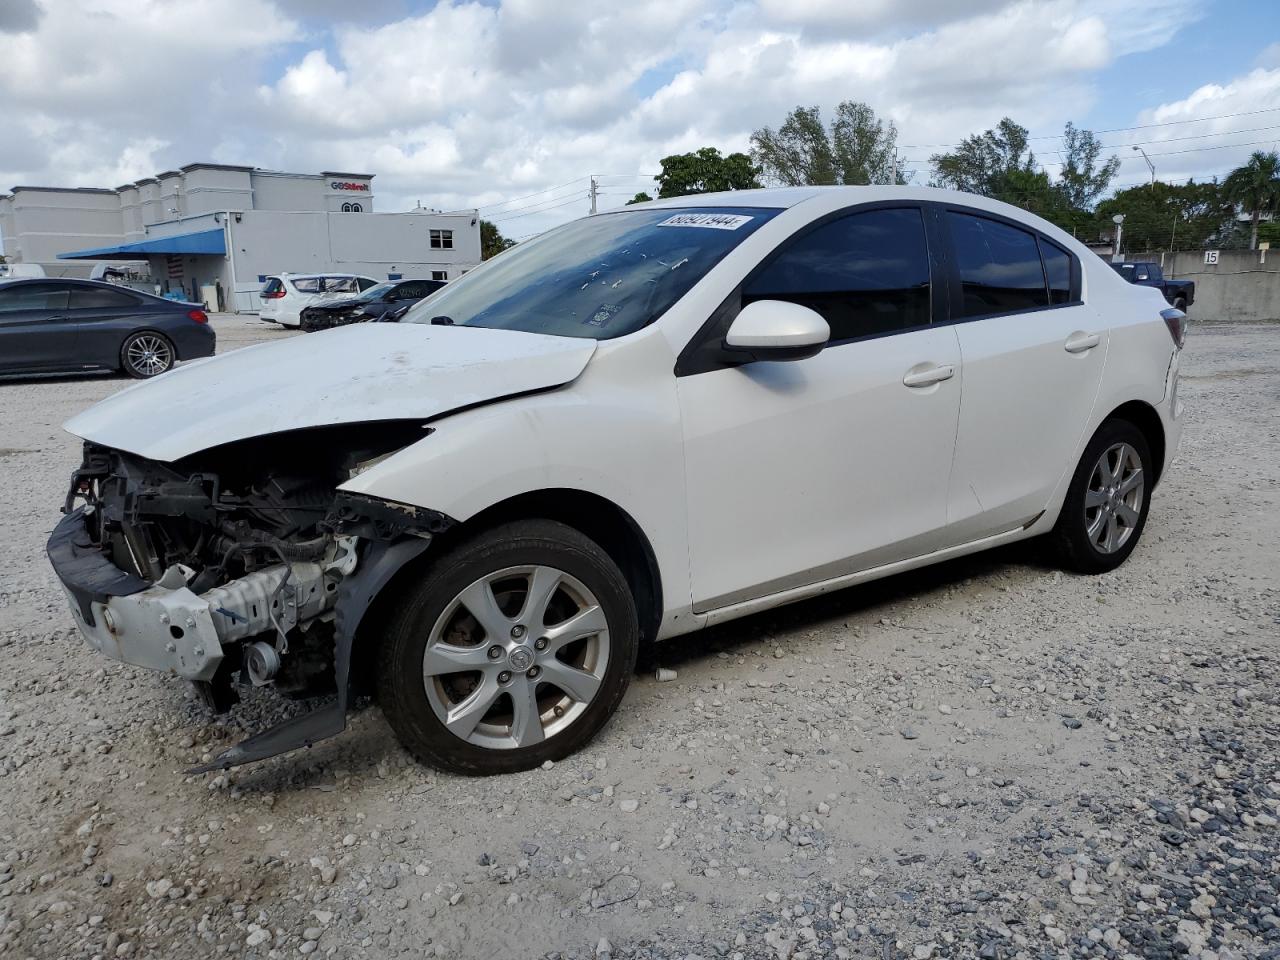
611, 434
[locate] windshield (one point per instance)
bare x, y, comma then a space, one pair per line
376, 292
600, 277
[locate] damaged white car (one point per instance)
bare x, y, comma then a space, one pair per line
636, 425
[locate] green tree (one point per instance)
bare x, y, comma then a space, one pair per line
1081, 180
1167, 216
859, 148
640, 197
984, 162
1255, 187
492, 242
705, 171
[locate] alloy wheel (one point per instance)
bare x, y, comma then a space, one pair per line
516, 657
149, 354
1113, 499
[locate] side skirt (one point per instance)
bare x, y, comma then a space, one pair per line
733, 611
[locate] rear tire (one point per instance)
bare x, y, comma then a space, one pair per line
532, 673
147, 354
1106, 506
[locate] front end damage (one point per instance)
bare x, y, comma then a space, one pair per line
241, 565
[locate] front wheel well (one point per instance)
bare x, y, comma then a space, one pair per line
595, 517
1144, 417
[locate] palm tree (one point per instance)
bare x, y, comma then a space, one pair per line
1256, 188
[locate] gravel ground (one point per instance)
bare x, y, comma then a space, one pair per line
986, 759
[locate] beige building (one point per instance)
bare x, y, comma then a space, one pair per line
211, 225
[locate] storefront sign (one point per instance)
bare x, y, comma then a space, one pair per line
347, 185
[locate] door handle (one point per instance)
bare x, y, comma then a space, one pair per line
1079, 342
926, 378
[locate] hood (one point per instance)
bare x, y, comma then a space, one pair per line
365, 372
344, 304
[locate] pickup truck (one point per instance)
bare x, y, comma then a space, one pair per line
1179, 293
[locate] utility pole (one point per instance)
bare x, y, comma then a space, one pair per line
893, 169
1118, 220
595, 188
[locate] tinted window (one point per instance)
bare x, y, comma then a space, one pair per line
999, 266
272, 286
99, 298
598, 277
364, 283
866, 273
1057, 269
33, 296
413, 290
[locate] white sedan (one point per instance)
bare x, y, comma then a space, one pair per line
636, 425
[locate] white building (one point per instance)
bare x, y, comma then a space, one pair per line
226, 228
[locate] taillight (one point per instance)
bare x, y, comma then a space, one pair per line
1176, 321
271, 295
199, 316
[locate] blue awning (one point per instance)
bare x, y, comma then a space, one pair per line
205, 241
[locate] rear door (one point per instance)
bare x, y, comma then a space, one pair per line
104, 316
1033, 356
36, 330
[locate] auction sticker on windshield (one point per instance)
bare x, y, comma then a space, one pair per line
713, 221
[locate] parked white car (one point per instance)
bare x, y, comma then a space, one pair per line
284, 296
636, 425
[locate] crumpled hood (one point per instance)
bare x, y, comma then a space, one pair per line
350, 374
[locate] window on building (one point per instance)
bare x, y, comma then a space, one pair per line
33, 296
1000, 270
100, 298
867, 273
441, 239
357, 208
346, 208
439, 274
1057, 269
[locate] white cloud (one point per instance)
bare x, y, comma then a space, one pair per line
471, 103
1249, 110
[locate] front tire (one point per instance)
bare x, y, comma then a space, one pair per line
147, 354
515, 648
1106, 506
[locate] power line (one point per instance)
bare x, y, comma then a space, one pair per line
537, 203
517, 216
1144, 126
502, 203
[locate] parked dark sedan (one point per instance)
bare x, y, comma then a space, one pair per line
67, 326
373, 304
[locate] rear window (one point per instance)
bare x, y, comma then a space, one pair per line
274, 285
1057, 270
1000, 269
100, 298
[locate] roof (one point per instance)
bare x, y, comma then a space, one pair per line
785, 197
200, 242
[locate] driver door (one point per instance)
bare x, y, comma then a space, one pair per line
800, 472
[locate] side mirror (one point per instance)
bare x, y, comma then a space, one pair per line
776, 330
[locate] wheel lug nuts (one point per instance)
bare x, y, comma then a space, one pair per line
533, 672
517, 631
540, 643
504, 676
495, 652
